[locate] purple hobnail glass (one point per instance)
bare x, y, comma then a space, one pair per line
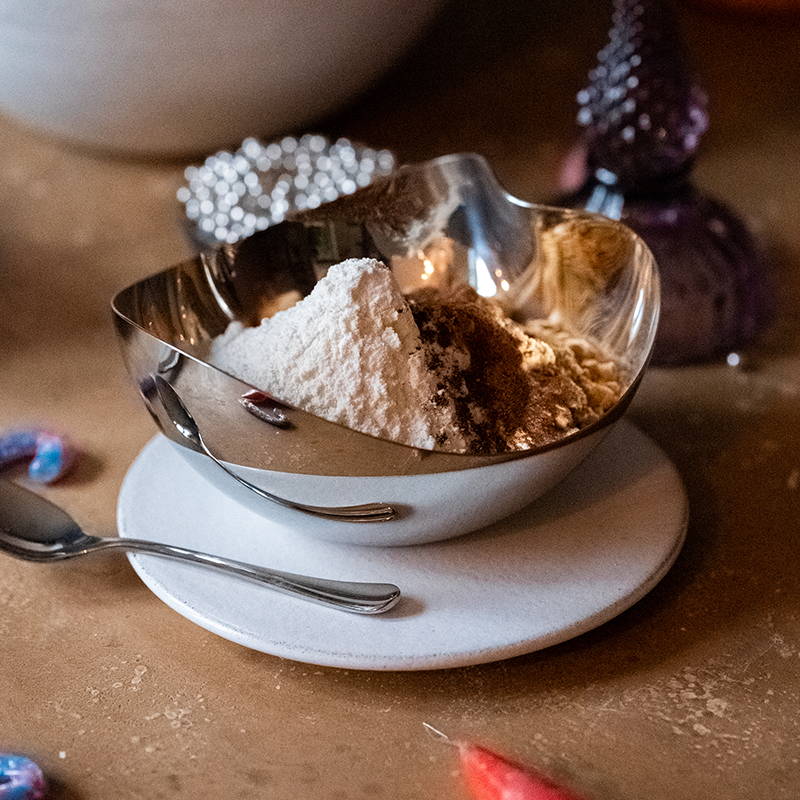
644, 116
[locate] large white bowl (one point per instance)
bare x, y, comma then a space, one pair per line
179, 76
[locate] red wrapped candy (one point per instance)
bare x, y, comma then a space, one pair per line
492, 777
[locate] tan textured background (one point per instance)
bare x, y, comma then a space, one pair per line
691, 694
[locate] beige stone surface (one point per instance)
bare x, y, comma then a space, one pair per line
693, 693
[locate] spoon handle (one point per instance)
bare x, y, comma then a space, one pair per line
359, 598
181, 427
367, 512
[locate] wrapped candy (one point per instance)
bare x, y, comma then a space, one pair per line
20, 778
51, 454
490, 776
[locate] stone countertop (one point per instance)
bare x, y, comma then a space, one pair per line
692, 693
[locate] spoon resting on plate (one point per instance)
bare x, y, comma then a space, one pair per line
34, 529
181, 427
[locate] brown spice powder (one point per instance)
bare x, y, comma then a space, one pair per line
500, 401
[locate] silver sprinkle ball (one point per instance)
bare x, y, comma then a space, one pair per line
232, 195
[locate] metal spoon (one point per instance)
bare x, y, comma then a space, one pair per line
189, 434
34, 529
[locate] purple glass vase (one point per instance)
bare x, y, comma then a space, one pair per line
644, 116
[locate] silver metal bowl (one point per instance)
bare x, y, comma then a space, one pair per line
443, 221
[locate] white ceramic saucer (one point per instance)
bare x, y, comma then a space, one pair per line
576, 558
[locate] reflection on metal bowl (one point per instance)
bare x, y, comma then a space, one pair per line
446, 220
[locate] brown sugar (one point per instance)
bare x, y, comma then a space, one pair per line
511, 388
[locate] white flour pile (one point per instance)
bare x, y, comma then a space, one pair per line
349, 352
444, 370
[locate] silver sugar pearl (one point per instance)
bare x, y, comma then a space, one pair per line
288, 144
232, 195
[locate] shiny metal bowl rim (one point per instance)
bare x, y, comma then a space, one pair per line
610, 417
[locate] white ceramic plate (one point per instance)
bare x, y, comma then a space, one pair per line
576, 558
